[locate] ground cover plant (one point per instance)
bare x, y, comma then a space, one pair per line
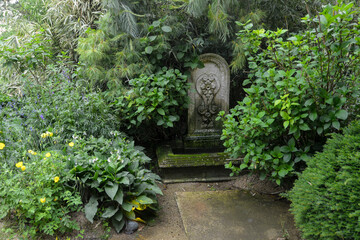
300, 88
325, 199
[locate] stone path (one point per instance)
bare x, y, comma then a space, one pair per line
212, 211
233, 215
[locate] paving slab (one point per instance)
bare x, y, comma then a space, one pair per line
234, 215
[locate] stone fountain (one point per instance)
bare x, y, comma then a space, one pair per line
199, 155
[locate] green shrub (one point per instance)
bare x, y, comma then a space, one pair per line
34, 192
113, 174
153, 101
325, 199
299, 89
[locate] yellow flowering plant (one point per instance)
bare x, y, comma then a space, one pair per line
46, 182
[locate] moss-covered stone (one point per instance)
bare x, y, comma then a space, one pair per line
167, 159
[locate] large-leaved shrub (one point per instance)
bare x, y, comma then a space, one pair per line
325, 198
298, 90
115, 181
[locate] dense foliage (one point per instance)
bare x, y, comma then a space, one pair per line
74, 72
299, 89
113, 174
325, 198
35, 192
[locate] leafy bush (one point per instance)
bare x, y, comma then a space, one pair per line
113, 173
325, 198
154, 100
299, 90
35, 194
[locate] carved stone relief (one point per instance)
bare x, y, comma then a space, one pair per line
209, 95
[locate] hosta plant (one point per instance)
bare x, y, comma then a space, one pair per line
115, 181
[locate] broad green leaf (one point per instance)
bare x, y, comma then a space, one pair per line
118, 225
91, 208
160, 122
180, 55
166, 29
277, 102
336, 125
313, 116
287, 157
119, 197
130, 215
144, 200
149, 49
161, 111
261, 114
284, 115
319, 130
304, 127
286, 124
243, 166
112, 190
127, 206
110, 211
125, 181
119, 216
342, 114
309, 102
283, 172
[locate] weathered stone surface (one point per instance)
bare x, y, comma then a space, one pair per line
209, 95
234, 215
167, 159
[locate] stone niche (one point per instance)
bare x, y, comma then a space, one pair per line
209, 94
199, 155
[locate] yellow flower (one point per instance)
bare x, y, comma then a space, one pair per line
42, 200
34, 153
2, 145
50, 134
56, 179
23, 168
30, 151
43, 135
48, 155
71, 144
55, 199
19, 164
